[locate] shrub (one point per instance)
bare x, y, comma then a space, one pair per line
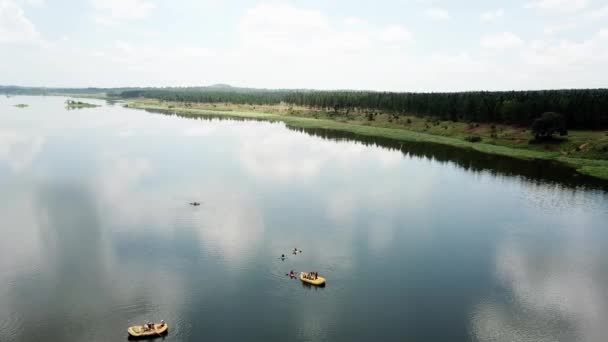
548, 124
473, 138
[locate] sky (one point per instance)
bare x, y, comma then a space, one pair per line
396, 45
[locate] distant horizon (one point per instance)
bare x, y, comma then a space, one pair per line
230, 86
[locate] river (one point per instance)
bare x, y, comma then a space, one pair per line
418, 243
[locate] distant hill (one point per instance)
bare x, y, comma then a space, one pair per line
219, 87
18, 90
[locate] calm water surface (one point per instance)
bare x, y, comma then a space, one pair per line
417, 244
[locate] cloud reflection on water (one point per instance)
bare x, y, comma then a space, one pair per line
555, 288
283, 155
19, 150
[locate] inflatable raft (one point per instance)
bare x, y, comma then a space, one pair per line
141, 331
320, 281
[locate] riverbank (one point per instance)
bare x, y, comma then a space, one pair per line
585, 151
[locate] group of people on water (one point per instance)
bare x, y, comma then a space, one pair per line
307, 275
292, 274
311, 275
151, 326
294, 252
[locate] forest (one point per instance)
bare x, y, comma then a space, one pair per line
581, 108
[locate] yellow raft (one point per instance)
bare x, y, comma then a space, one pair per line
140, 331
320, 281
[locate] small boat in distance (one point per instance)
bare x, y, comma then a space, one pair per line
148, 330
310, 279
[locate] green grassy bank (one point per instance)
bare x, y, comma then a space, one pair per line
585, 151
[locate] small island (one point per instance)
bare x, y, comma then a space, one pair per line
21, 105
71, 104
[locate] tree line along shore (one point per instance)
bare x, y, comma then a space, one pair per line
581, 108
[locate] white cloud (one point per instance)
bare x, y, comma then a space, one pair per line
275, 45
279, 46
282, 30
555, 29
14, 26
492, 15
437, 13
558, 5
599, 13
501, 41
110, 12
395, 34
278, 25
568, 55
287, 30
35, 3
355, 21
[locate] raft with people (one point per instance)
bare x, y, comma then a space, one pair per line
148, 329
312, 278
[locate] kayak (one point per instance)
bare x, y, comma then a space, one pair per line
319, 281
139, 331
